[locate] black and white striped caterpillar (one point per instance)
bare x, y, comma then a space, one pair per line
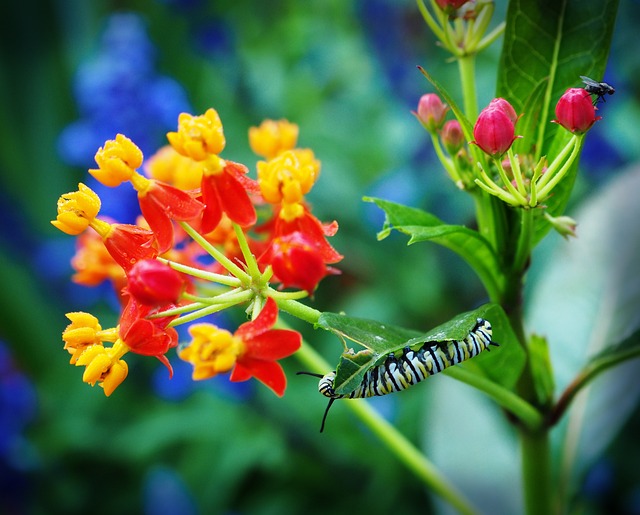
400, 371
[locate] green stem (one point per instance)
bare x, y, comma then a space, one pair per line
536, 472
216, 254
202, 274
433, 25
585, 376
447, 163
545, 185
525, 238
249, 258
389, 435
299, 310
466, 68
237, 298
525, 412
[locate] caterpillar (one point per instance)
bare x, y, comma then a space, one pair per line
410, 366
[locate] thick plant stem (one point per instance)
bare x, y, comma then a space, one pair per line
466, 67
389, 435
536, 472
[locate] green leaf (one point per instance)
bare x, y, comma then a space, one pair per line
502, 365
467, 243
541, 369
551, 44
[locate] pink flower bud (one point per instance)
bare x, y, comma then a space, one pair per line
450, 6
494, 131
155, 284
575, 111
505, 107
431, 112
452, 136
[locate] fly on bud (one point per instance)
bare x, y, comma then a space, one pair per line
600, 89
575, 112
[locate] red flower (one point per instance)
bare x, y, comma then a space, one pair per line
128, 244
494, 131
296, 261
313, 230
226, 191
149, 337
575, 111
160, 203
155, 284
262, 347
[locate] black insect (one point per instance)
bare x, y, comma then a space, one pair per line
600, 89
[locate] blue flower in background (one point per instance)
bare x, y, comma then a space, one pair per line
18, 406
165, 492
119, 91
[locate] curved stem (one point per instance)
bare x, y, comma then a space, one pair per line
389, 435
585, 376
547, 183
525, 412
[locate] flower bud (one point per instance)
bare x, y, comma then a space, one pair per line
155, 284
431, 112
450, 6
494, 132
452, 136
575, 111
564, 225
505, 107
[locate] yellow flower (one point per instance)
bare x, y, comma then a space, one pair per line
273, 137
77, 210
104, 366
168, 166
288, 177
117, 161
80, 333
211, 351
198, 136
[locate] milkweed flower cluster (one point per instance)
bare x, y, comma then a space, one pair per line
518, 180
209, 238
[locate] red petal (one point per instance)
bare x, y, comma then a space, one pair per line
235, 199
313, 229
128, 244
178, 204
213, 207
268, 372
263, 322
165, 362
274, 344
160, 224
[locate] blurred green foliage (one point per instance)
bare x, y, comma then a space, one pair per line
345, 72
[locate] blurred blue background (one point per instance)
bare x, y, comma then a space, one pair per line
74, 73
